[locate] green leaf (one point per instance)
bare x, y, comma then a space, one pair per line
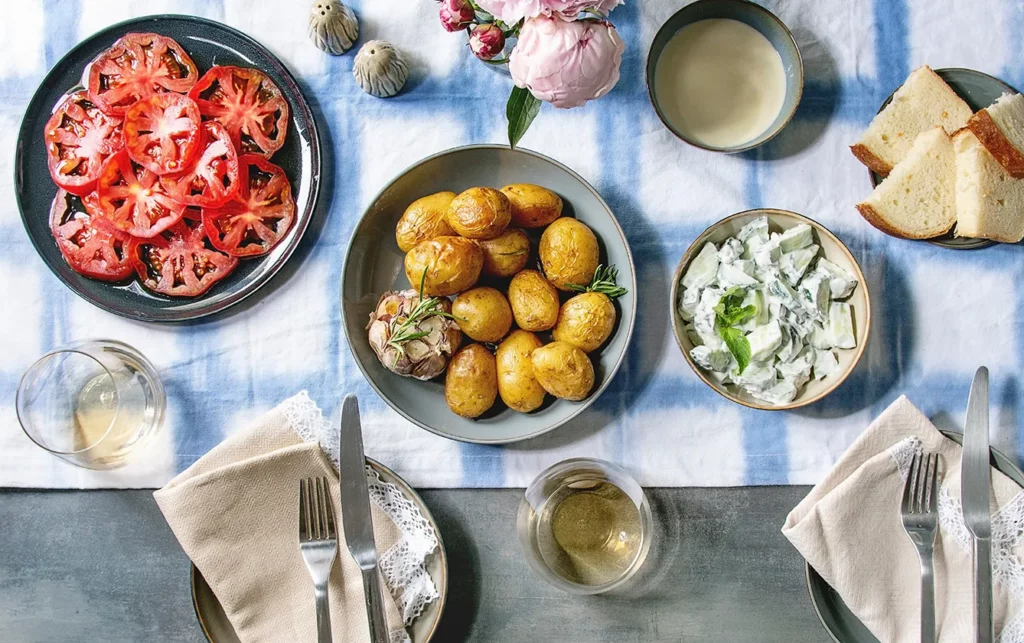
738, 345
520, 111
730, 310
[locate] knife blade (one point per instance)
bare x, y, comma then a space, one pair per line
356, 518
974, 495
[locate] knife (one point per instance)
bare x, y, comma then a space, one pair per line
974, 494
355, 516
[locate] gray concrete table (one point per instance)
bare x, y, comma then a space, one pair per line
103, 566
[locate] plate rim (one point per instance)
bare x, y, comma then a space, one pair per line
442, 554
996, 454
174, 315
633, 289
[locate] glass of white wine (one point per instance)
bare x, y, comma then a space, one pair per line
585, 526
92, 403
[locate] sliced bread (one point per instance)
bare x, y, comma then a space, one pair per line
923, 102
989, 202
917, 200
1000, 128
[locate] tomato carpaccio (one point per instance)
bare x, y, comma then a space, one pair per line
213, 178
137, 66
179, 262
248, 104
89, 250
162, 132
258, 216
79, 139
130, 199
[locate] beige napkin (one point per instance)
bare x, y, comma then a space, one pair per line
849, 529
235, 513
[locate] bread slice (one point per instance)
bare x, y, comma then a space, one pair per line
989, 202
917, 200
923, 102
1000, 128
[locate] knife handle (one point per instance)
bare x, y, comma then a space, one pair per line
983, 590
375, 607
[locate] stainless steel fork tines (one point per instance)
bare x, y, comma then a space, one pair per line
920, 515
318, 542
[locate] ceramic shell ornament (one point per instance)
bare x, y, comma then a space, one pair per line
380, 69
333, 27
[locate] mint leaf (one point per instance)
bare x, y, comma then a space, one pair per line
730, 310
738, 345
521, 109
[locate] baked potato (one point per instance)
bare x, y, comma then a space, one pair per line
532, 205
471, 384
517, 386
568, 253
483, 314
507, 254
425, 218
479, 213
534, 301
450, 264
562, 369
585, 321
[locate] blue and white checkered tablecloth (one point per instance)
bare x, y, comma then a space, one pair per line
938, 314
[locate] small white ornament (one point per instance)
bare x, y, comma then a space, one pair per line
380, 69
333, 27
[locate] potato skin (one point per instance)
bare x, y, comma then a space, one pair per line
585, 321
568, 253
471, 385
425, 218
563, 370
453, 264
483, 314
534, 301
480, 213
517, 386
532, 205
507, 254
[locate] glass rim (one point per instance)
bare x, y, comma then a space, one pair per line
75, 348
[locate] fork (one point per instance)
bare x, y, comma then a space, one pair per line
318, 541
920, 520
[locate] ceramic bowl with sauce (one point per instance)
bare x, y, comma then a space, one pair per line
724, 75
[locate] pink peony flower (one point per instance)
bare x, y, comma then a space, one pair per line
486, 41
456, 15
512, 11
567, 63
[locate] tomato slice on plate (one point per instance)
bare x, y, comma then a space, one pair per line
162, 132
178, 262
248, 104
260, 214
137, 66
213, 178
79, 138
89, 250
129, 198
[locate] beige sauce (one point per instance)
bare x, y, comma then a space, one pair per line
720, 82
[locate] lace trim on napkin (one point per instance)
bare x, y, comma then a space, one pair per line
1007, 534
404, 564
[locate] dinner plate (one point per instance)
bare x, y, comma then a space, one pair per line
979, 90
207, 43
214, 622
374, 264
840, 623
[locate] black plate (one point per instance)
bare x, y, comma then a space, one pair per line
208, 43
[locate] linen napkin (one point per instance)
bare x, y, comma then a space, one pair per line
849, 529
235, 513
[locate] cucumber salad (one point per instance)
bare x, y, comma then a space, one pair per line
766, 311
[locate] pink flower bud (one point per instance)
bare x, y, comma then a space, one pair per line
486, 41
456, 15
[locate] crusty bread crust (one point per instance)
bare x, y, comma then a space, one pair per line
868, 158
990, 237
997, 144
875, 218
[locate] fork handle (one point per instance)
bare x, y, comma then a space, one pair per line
983, 590
323, 615
927, 597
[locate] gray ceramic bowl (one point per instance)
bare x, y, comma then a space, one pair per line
374, 264
760, 19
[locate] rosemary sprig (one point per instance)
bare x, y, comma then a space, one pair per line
405, 331
603, 282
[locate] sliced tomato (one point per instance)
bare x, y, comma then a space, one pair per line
137, 66
79, 138
248, 104
213, 178
89, 250
260, 214
129, 198
162, 132
178, 262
